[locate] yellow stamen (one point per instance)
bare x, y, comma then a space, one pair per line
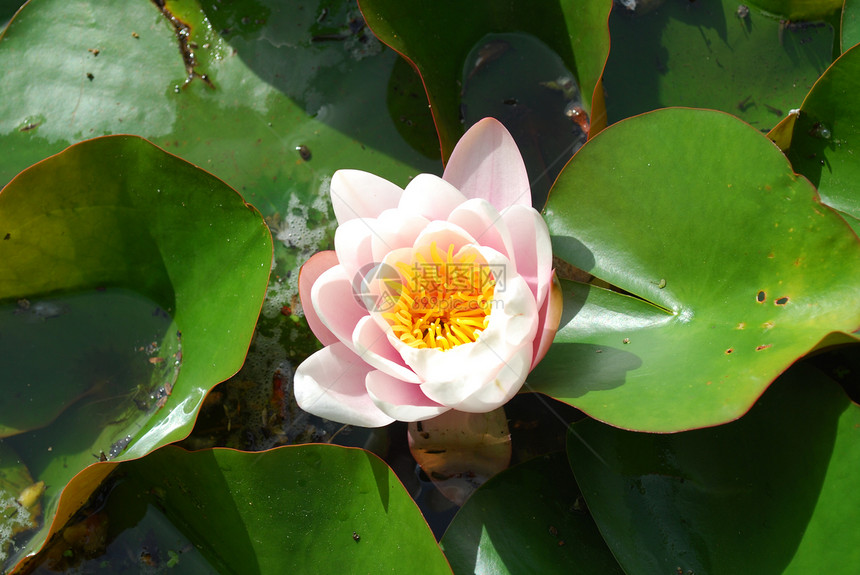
442, 303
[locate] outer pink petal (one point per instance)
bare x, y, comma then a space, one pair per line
357, 194
331, 384
532, 247
308, 275
483, 222
430, 196
335, 303
401, 400
352, 243
486, 163
550, 316
372, 345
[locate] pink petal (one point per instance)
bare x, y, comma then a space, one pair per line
372, 345
532, 248
401, 400
357, 194
331, 384
482, 221
394, 229
352, 243
431, 197
335, 302
308, 275
550, 316
486, 163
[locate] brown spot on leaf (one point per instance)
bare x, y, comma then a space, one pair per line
781, 301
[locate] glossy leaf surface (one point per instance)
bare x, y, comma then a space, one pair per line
713, 55
850, 24
697, 213
528, 519
298, 509
148, 240
824, 143
774, 492
798, 10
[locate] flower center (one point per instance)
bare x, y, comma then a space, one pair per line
444, 302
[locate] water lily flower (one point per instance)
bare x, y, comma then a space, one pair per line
438, 296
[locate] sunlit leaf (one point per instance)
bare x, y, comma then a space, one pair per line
739, 268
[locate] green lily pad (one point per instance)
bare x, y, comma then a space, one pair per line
850, 24
714, 55
150, 274
739, 268
797, 10
296, 509
533, 66
824, 139
774, 492
528, 519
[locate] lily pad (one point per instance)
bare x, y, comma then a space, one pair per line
774, 492
296, 509
798, 10
156, 272
528, 519
717, 55
824, 141
738, 268
850, 24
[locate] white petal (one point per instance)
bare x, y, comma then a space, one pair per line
357, 194
502, 386
444, 234
395, 229
401, 400
372, 345
352, 243
483, 222
431, 197
331, 384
